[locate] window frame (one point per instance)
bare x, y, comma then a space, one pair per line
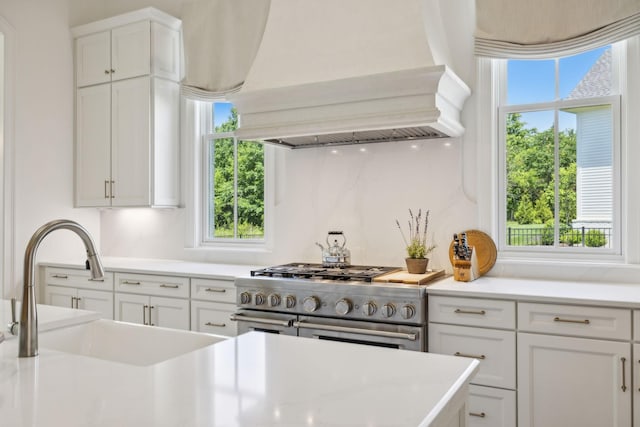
197, 132
491, 90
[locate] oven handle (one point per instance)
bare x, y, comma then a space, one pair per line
242, 318
307, 325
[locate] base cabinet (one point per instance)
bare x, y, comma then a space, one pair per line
491, 407
566, 381
152, 310
82, 299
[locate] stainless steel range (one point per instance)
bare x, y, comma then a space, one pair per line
339, 304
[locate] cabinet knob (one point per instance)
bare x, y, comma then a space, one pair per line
107, 71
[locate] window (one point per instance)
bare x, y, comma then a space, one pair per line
233, 193
559, 161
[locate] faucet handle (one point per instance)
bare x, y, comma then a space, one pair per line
13, 326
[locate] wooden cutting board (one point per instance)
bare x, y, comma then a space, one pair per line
408, 278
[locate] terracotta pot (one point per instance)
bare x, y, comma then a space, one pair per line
417, 265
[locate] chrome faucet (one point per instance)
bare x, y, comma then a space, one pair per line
28, 325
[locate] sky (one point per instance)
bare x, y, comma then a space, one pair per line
221, 113
531, 81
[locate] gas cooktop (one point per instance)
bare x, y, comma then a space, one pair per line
318, 271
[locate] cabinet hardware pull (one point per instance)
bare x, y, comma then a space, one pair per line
222, 325
150, 307
169, 286
459, 311
77, 301
624, 374
113, 196
60, 276
113, 71
144, 314
585, 321
126, 282
106, 190
477, 414
472, 356
72, 300
215, 290
107, 71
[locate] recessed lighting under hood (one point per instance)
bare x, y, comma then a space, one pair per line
340, 78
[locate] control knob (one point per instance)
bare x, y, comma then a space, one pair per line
274, 300
311, 304
388, 310
343, 306
259, 299
407, 311
289, 301
245, 298
369, 308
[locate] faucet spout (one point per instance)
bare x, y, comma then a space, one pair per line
28, 335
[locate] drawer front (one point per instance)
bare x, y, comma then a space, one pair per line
77, 278
636, 325
213, 290
213, 318
491, 407
582, 321
496, 351
472, 312
167, 286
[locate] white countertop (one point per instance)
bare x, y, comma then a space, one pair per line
170, 267
253, 380
49, 317
554, 291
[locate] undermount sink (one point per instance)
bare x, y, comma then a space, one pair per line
125, 342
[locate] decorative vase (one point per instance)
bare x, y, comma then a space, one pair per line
417, 265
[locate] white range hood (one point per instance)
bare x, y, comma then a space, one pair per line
332, 72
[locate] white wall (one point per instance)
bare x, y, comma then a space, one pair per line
361, 193
43, 113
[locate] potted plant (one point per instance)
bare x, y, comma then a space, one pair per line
417, 248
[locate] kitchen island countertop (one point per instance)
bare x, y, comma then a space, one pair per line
255, 379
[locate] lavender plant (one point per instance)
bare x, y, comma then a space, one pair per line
417, 243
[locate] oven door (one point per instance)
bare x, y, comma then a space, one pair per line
369, 333
263, 321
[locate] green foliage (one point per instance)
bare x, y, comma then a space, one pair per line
250, 176
531, 177
547, 233
417, 243
595, 239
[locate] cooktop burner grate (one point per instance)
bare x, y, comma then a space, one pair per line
317, 271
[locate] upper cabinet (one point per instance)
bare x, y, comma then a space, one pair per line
128, 51
127, 111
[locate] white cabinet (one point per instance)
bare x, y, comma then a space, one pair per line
75, 289
566, 381
127, 113
152, 300
213, 302
483, 329
491, 407
571, 371
152, 311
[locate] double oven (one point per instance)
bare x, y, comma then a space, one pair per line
337, 304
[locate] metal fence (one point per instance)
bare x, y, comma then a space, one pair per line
543, 236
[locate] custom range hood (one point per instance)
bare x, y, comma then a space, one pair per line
335, 72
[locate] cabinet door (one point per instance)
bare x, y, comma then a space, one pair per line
93, 146
566, 381
495, 349
132, 308
491, 407
130, 142
93, 59
60, 296
170, 313
213, 318
131, 50
99, 301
